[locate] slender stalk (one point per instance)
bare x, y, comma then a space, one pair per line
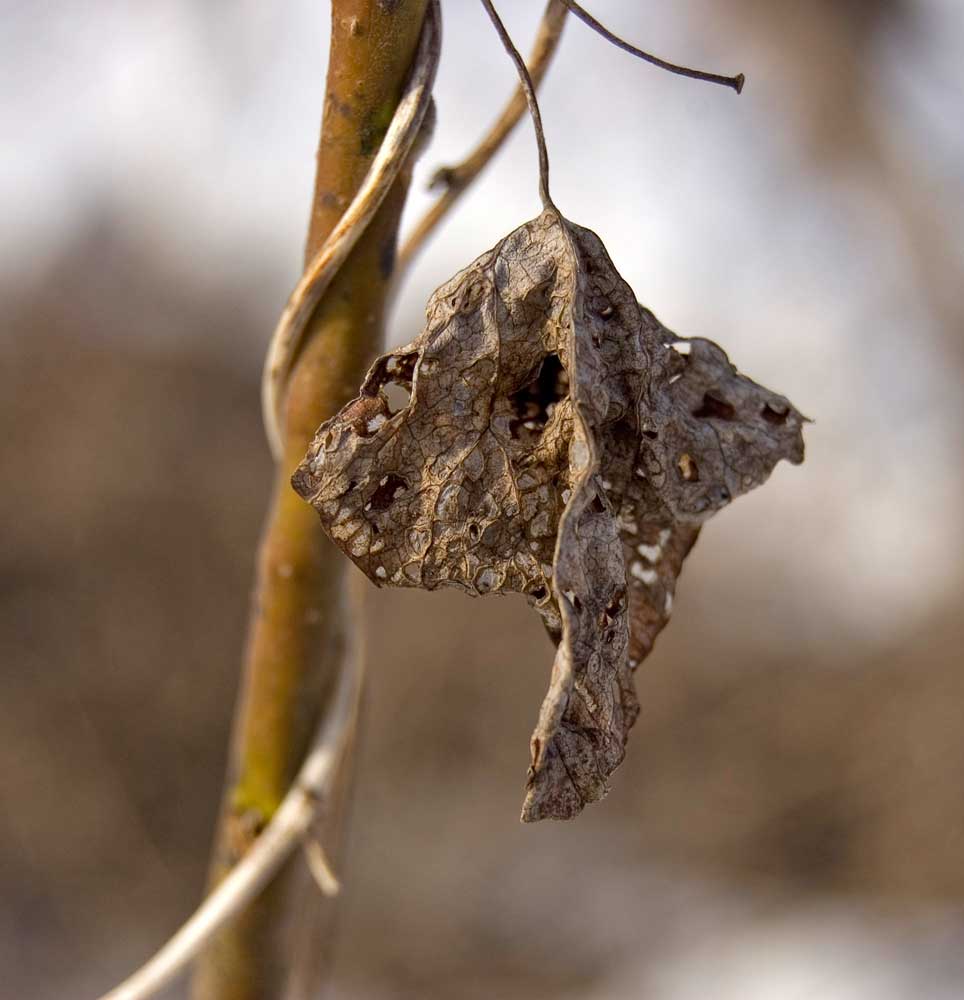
733, 82
456, 179
296, 632
528, 88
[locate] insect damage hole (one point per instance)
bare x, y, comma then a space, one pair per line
774, 416
394, 380
610, 615
688, 469
398, 395
714, 408
534, 404
386, 492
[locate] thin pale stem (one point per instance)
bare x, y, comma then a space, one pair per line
277, 842
530, 91
733, 82
455, 180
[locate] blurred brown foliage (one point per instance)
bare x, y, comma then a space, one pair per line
125, 574
134, 484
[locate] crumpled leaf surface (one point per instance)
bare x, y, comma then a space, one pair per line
545, 434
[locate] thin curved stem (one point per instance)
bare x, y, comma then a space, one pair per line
733, 82
456, 179
277, 842
530, 91
399, 139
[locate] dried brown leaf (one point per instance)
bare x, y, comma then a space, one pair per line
546, 435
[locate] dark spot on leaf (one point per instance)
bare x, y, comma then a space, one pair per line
474, 531
616, 604
536, 299
721, 495
714, 408
468, 296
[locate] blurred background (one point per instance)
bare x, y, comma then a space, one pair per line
789, 821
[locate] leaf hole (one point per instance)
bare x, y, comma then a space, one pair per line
384, 495
573, 599
475, 532
774, 416
534, 404
538, 593
393, 378
688, 469
714, 408
398, 395
613, 609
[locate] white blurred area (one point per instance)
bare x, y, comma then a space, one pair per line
811, 226
193, 126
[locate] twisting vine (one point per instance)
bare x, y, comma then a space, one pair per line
392, 154
289, 829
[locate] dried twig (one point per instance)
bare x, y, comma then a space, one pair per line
455, 180
402, 133
734, 82
283, 835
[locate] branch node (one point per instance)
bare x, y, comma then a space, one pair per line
320, 867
